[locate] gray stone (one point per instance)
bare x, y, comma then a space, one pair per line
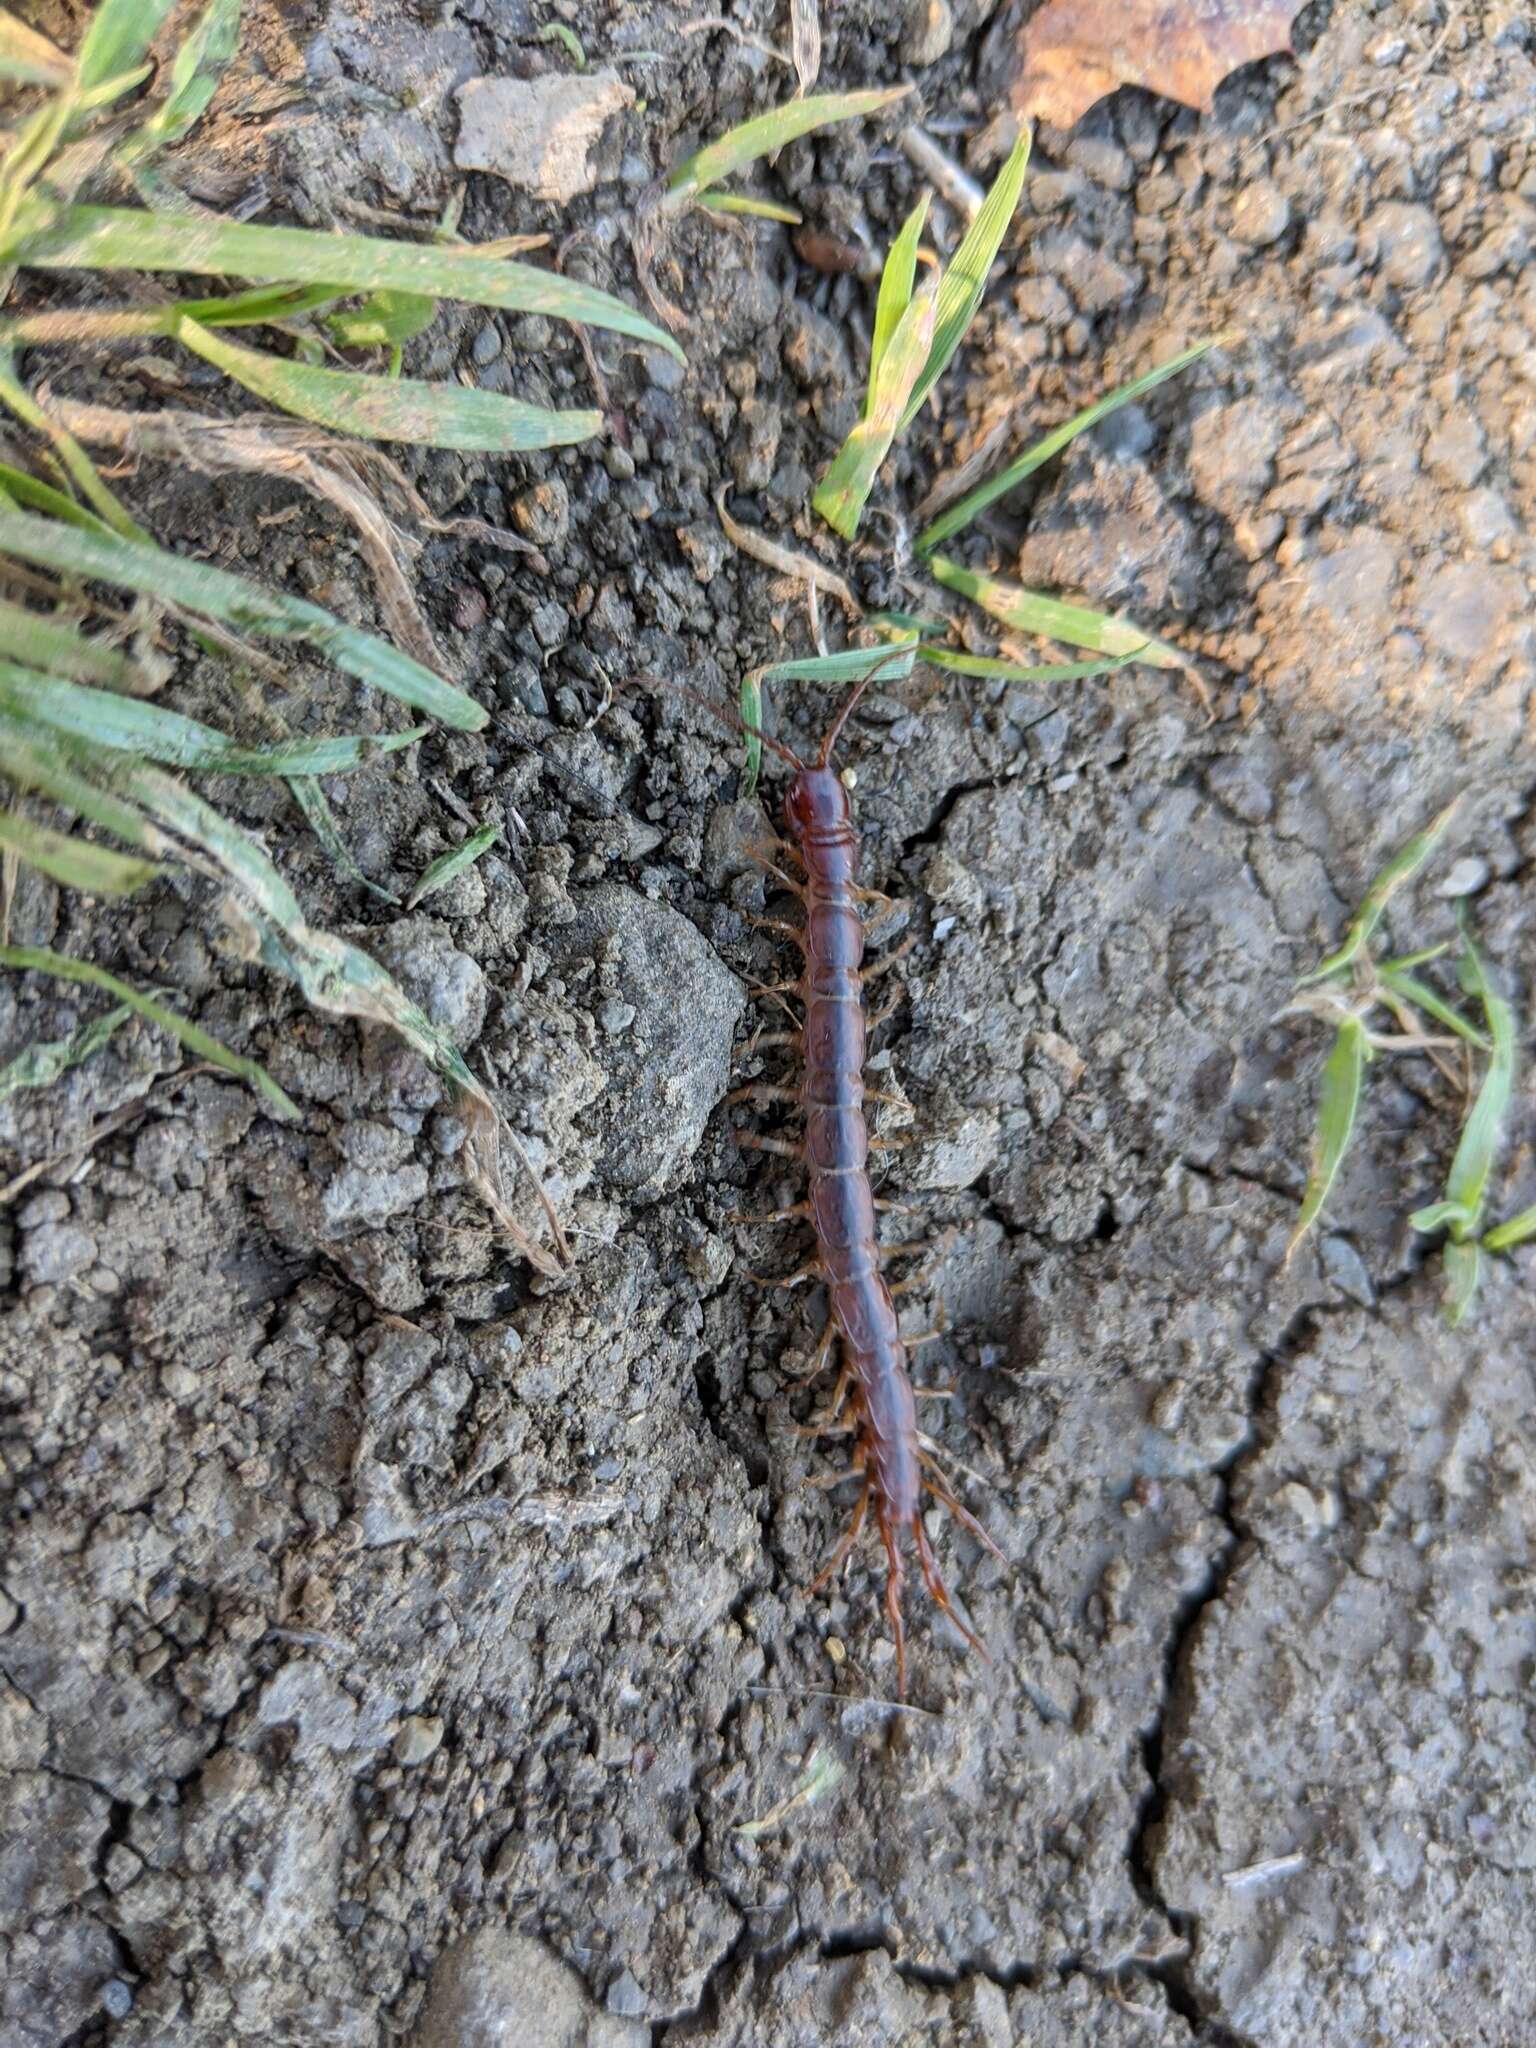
450, 987
671, 1066
1465, 607
497, 1989
538, 133
1232, 453
1261, 214
1408, 242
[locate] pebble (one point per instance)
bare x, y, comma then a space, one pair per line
117, 1998
487, 344
616, 1017
419, 1737
1408, 240
543, 512
538, 133
929, 31
1466, 877
1262, 214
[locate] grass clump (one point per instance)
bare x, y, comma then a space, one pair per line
1348, 989
324, 292
78, 728
918, 329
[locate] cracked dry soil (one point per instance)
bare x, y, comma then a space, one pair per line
393, 1649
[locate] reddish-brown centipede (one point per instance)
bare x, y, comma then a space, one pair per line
890, 1455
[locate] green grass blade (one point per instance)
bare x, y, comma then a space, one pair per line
1518, 1230
994, 666
1405, 962
217, 594
1401, 868
383, 320
896, 281
768, 132
77, 863
1432, 1003
129, 725
849, 664
33, 763
1481, 1134
965, 276
1438, 1216
17, 487
39, 1066
756, 209
64, 967
1030, 611
440, 872
37, 641
86, 476
965, 510
196, 69
321, 819
841, 495
268, 305
1463, 1265
1340, 1105
398, 409
118, 39
125, 238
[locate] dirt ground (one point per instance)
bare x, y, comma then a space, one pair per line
397, 1650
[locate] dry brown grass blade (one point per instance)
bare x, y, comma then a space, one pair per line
298, 454
805, 40
482, 1165
803, 568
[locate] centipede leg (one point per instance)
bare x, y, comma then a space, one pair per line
938, 1592
844, 1550
793, 1214
895, 1584
889, 959
811, 1270
957, 1508
752, 1141
823, 1351
763, 1091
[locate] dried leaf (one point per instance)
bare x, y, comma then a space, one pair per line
1076, 51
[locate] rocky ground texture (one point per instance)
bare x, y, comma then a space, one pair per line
396, 1651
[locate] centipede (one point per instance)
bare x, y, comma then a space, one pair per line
873, 1399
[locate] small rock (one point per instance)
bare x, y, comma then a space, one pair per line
671, 1064
543, 512
625, 1996
538, 133
419, 1737
958, 1155
1232, 452
117, 1998
1347, 1270
1466, 877
503, 1990
368, 1195
1464, 607
450, 987
616, 1017
1408, 240
929, 31
1458, 453
1262, 214
487, 344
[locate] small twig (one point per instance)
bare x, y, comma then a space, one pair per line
1258, 1873
956, 185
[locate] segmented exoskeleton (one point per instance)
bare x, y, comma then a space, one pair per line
890, 1455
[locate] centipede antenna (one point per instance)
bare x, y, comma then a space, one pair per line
731, 720
835, 732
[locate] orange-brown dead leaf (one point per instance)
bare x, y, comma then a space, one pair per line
1076, 51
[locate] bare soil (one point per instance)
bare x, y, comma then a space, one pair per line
394, 1647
